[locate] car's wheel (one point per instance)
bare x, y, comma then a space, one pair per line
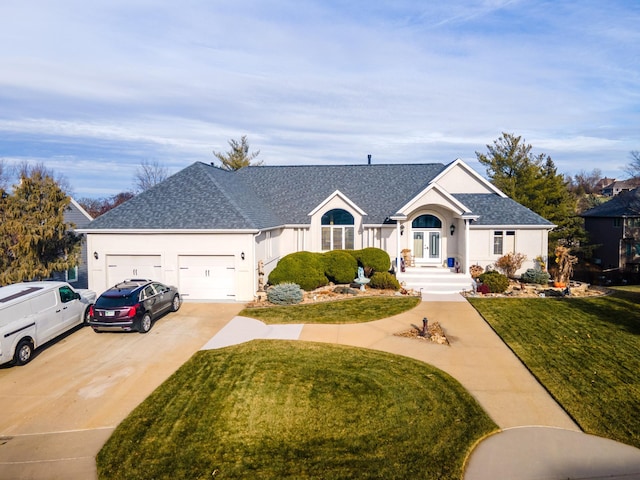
87, 316
175, 303
145, 323
23, 353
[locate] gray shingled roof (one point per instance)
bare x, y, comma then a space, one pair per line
206, 197
379, 190
625, 204
496, 210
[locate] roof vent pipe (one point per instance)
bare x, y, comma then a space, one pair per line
369, 159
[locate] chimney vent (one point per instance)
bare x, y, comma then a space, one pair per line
369, 159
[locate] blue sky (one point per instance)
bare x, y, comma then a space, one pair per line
92, 88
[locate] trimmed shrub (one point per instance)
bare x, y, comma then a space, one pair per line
535, 276
384, 281
340, 266
372, 260
496, 281
302, 268
285, 294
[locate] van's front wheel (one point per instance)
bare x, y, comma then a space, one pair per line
24, 351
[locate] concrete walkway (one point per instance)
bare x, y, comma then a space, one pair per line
538, 439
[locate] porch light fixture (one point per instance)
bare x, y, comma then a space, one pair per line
402, 229
242, 255
452, 229
95, 255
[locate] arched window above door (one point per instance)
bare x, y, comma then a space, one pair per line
337, 230
426, 221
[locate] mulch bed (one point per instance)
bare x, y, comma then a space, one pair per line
435, 334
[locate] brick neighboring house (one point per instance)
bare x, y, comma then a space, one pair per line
616, 187
615, 227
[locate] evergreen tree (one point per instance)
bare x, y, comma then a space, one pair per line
238, 157
533, 181
35, 241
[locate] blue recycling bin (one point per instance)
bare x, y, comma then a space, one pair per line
451, 262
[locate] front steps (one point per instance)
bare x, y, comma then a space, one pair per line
434, 280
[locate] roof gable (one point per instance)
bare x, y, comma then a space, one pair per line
344, 198
458, 177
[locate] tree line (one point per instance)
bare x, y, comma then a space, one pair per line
35, 240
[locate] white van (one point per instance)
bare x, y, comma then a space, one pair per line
32, 313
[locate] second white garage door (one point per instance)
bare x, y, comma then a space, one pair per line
207, 277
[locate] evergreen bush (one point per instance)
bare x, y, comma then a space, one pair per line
285, 294
496, 281
535, 276
302, 268
384, 281
372, 260
340, 266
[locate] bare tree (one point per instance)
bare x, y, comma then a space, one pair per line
27, 169
633, 167
586, 183
98, 206
149, 174
4, 175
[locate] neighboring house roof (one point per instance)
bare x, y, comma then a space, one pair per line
625, 204
206, 197
76, 214
619, 186
604, 182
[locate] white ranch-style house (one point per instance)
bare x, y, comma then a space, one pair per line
205, 229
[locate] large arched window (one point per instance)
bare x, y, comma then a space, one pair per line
426, 221
337, 230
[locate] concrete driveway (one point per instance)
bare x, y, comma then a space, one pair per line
57, 411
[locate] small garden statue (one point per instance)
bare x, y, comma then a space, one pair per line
362, 280
425, 328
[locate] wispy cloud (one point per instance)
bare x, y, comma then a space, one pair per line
116, 82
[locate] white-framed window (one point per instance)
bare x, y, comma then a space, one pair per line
504, 242
71, 275
337, 230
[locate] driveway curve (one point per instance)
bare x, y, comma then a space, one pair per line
58, 410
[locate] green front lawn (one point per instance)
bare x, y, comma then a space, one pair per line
356, 310
276, 409
585, 351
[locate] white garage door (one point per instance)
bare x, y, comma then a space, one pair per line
120, 267
207, 277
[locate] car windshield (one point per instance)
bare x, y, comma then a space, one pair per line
107, 301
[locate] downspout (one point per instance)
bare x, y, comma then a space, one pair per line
253, 257
397, 247
466, 245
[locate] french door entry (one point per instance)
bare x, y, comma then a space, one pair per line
426, 247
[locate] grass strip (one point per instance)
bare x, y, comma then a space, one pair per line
583, 350
355, 310
276, 409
